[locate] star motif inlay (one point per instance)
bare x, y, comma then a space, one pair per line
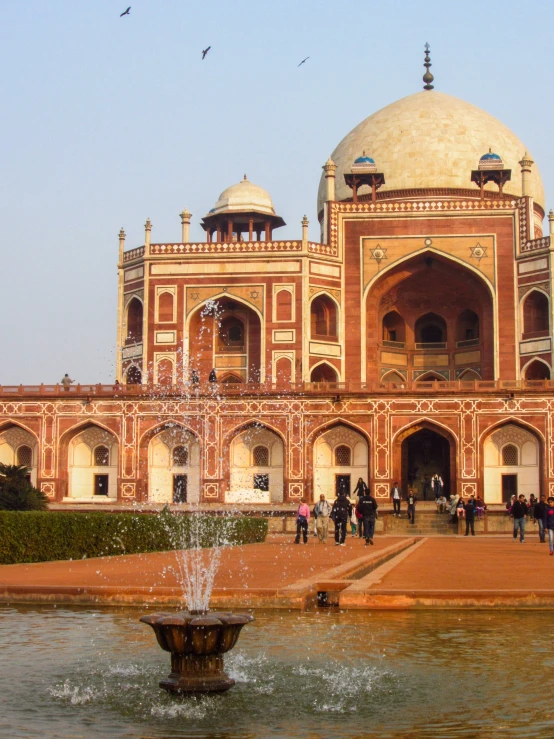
194, 296
254, 294
379, 253
478, 252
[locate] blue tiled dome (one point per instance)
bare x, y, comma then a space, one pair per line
365, 160
490, 157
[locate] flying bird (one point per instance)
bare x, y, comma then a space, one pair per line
303, 60
127, 12
205, 51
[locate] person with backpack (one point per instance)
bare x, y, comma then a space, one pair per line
340, 514
302, 519
367, 507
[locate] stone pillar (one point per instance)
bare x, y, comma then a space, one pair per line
551, 226
122, 244
147, 230
526, 163
305, 224
185, 226
329, 168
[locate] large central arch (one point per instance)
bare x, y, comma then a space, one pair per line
430, 312
425, 448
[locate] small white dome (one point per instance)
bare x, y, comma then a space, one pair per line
244, 197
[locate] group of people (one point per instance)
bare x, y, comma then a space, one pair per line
361, 515
541, 511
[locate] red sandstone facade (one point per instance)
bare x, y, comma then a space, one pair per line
414, 339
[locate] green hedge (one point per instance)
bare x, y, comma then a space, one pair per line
36, 536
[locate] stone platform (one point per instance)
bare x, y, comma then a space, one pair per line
399, 572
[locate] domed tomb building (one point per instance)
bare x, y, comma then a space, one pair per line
413, 339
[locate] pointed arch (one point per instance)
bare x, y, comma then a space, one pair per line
431, 376
469, 375
134, 312
255, 476
170, 463
324, 315
537, 369
535, 307
82, 475
394, 377
324, 372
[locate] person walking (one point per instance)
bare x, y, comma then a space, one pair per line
322, 511
412, 500
396, 499
360, 489
302, 519
66, 382
340, 513
353, 520
367, 507
548, 521
538, 515
519, 514
469, 509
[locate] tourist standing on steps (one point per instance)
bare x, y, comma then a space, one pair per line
322, 511
538, 514
340, 513
548, 521
367, 507
519, 513
396, 498
469, 509
360, 489
302, 518
412, 500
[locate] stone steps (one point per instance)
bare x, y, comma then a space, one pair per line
427, 524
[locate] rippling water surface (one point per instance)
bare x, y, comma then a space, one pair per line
68, 673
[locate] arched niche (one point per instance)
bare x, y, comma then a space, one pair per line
165, 371
324, 372
537, 370
536, 314
283, 308
323, 318
133, 376
166, 307
283, 371
430, 329
174, 466
469, 375
511, 457
395, 378
394, 328
225, 333
334, 469
92, 459
19, 447
467, 328
134, 321
251, 481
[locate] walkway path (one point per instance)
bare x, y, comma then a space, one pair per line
398, 572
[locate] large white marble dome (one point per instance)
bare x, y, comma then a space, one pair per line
430, 140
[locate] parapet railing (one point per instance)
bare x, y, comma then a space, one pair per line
507, 388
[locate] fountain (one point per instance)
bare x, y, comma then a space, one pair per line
197, 643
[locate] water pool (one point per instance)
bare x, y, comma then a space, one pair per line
78, 673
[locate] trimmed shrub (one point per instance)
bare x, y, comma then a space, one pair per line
35, 536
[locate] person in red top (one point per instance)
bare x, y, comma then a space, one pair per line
302, 518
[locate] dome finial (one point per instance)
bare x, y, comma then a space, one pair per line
244, 178
427, 77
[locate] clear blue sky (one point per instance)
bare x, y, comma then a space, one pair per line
107, 121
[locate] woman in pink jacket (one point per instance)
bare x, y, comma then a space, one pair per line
302, 518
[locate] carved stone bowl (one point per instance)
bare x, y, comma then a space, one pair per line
197, 643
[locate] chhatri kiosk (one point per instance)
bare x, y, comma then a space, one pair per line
414, 338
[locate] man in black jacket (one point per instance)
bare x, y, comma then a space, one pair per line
469, 512
539, 514
340, 514
519, 513
367, 508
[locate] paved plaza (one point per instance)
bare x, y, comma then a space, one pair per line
398, 572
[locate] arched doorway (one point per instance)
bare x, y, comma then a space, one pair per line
174, 466
19, 447
341, 456
92, 458
511, 463
537, 370
422, 451
256, 467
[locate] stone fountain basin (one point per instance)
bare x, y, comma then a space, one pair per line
188, 633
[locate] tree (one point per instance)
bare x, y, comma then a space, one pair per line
16, 491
